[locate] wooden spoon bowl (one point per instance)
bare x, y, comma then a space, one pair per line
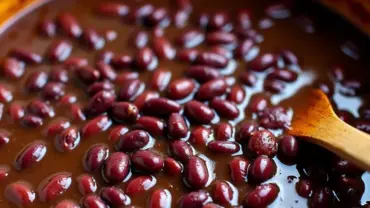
315, 120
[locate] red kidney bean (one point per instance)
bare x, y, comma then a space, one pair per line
248, 78
262, 169
221, 38
40, 108
12, 68
53, 91
133, 140
20, 193
212, 60
288, 148
4, 139
25, 56
243, 18
106, 71
200, 136
67, 204
5, 94
105, 56
16, 111
68, 140
93, 39
172, 167
117, 132
159, 17
187, 55
180, 18
245, 131
105, 86
87, 74
76, 113
348, 189
258, 103
59, 50
69, 25
177, 127
239, 169
93, 201
110, 35
30, 155
161, 107
322, 197
237, 94
144, 97
124, 111
48, 28
223, 131
116, 167
30, 121
160, 198
262, 195
114, 196
59, 74
203, 73
95, 157
180, 89
75, 62
195, 199
221, 50
289, 57
57, 127
161, 78
274, 118
153, 125
262, 142
139, 39
203, 20
223, 193
54, 186
190, 39
163, 48
196, 173
263, 62
140, 185
218, 20
36, 81
126, 76
225, 147
147, 161
101, 102
211, 89
95, 126
304, 188
130, 90
140, 13
225, 108
67, 99
283, 75
199, 112
181, 150
342, 166
244, 48
278, 11
337, 72
144, 58
86, 184
111, 9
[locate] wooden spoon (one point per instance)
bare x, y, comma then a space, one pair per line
315, 120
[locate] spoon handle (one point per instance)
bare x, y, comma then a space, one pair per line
346, 141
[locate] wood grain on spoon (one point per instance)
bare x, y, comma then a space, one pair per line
316, 121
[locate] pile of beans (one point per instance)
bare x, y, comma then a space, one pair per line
201, 133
